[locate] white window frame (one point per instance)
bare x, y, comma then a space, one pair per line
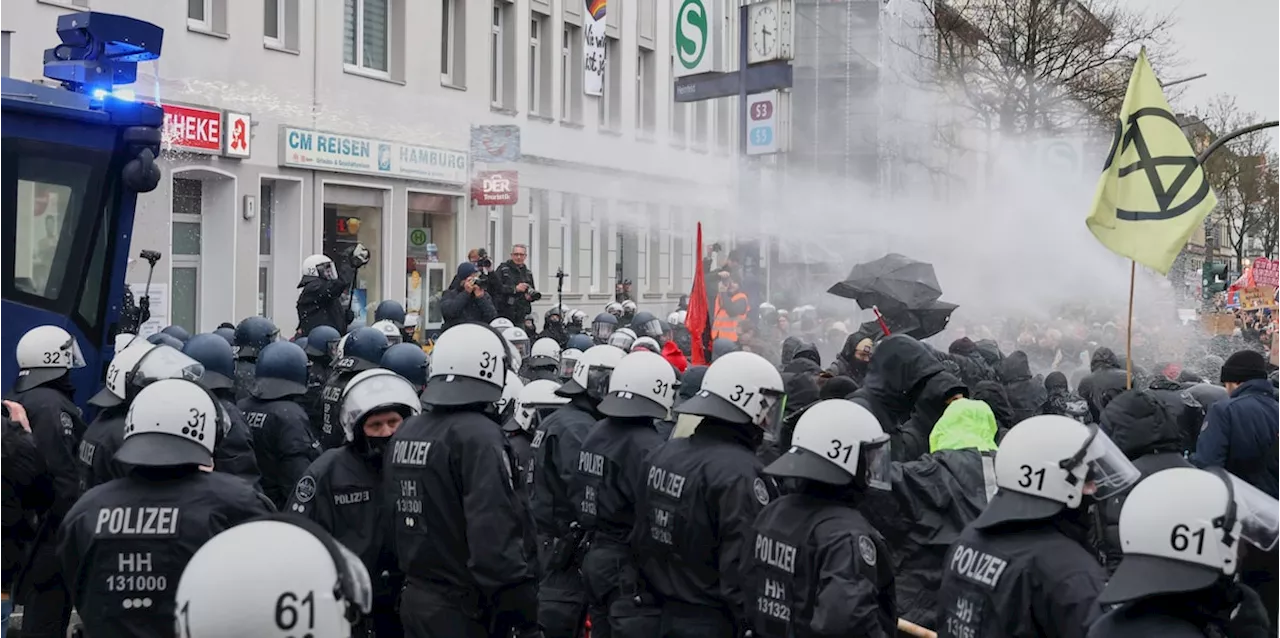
567, 94
493, 234
640, 88
448, 38
605, 104
534, 245
359, 66
497, 51
203, 24
265, 259
281, 16
177, 261
596, 236
537, 32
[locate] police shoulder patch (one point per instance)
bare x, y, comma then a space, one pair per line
761, 491
305, 491
867, 548
68, 427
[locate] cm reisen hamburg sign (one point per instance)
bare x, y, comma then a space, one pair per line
317, 150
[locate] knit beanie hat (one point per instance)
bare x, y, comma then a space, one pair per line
1244, 365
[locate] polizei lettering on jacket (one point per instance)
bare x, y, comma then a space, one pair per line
410, 452
351, 498
776, 554
977, 566
591, 463
137, 521
668, 483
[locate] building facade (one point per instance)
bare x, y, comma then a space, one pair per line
296, 127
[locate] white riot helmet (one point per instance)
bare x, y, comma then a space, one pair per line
45, 353
468, 365
136, 367
622, 338
319, 266
339, 351
568, 361
739, 387
1180, 530
518, 338
535, 395
376, 390
390, 330
578, 316
674, 318
614, 308
501, 323
545, 352
837, 442
171, 422
642, 385
648, 344
1044, 465
591, 372
767, 306
510, 392
290, 575
629, 307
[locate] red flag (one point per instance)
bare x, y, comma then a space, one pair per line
698, 318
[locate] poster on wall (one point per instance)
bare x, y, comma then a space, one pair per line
159, 307
593, 53
359, 305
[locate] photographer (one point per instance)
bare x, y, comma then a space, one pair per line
513, 288
466, 300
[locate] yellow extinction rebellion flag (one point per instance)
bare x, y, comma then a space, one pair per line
1152, 193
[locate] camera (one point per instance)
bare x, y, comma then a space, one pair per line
534, 295
484, 263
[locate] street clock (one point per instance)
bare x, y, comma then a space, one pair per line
770, 31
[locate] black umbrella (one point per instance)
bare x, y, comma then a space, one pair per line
892, 282
920, 323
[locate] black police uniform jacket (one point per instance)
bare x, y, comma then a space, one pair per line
282, 442
125, 543
1019, 580
313, 401
608, 473
818, 568
328, 429
695, 516
520, 441
459, 522
933, 498
26, 496
246, 369
320, 300
233, 452
97, 451
556, 446
342, 493
57, 429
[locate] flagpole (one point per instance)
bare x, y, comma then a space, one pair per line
1128, 331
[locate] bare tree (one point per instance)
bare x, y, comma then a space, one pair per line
1242, 174
1021, 66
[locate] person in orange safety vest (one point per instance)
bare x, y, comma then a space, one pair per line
731, 307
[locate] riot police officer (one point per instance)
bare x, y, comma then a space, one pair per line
282, 438
390, 330
342, 490
252, 335
556, 447
323, 590
700, 498
409, 361
322, 350
233, 449
646, 324
536, 400
642, 389
602, 326
543, 361
460, 525
1181, 530
1022, 568
325, 285
45, 357
125, 542
361, 350
393, 311
818, 567
130, 370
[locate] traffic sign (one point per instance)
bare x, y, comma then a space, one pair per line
695, 42
764, 124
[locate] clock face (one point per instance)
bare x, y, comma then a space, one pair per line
764, 31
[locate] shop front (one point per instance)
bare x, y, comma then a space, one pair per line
400, 201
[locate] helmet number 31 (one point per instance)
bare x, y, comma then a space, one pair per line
740, 395
1028, 475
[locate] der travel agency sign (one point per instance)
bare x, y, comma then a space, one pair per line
318, 150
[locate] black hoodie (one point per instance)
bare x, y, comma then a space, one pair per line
1026, 394
900, 367
973, 367
994, 396
1105, 380
846, 363
1141, 424
928, 409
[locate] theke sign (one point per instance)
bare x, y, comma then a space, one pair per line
495, 188
193, 129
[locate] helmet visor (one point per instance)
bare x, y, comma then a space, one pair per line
380, 392
163, 362
71, 353
601, 330
566, 367
773, 419
621, 340
359, 589
1257, 513
649, 329
326, 270
598, 381
522, 346
877, 455
1110, 470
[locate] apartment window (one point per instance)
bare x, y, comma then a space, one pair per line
493, 235
594, 248
209, 16
453, 41
184, 294
571, 74
648, 19
645, 104
273, 22
610, 103
657, 237
539, 45
366, 39
537, 243
502, 56
675, 248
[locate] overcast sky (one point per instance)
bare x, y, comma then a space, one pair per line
1244, 62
